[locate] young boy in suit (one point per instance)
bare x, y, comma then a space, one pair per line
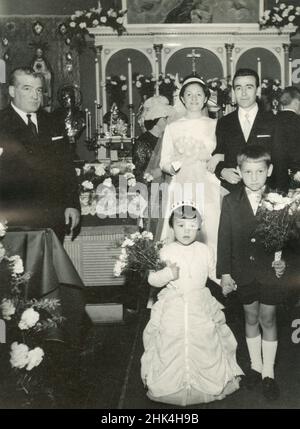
244, 265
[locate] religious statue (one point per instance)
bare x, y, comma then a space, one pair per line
69, 117
40, 64
116, 121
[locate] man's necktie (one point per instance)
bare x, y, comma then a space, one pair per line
32, 126
247, 127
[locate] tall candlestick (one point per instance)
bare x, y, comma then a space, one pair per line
97, 80
259, 69
231, 69
129, 81
290, 72
156, 77
90, 124
86, 123
133, 125
96, 115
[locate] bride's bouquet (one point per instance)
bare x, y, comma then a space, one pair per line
139, 253
277, 219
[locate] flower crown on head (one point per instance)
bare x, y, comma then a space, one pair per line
179, 204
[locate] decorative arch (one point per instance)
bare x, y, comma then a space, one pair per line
270, 61
209, 65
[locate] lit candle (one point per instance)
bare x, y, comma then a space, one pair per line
90, 125
96, 115
259, 70
97, 80
156, 77
86, 123
130, 81
290, 72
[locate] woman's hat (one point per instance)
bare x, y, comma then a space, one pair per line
157, 107
189, 80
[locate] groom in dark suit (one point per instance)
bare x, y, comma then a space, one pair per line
37, 176
245, 126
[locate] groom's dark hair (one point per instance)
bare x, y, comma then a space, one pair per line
246, 72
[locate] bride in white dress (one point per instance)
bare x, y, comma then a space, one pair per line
186, 158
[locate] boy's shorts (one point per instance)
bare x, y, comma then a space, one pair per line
264, 294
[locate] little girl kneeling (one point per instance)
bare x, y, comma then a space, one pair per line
190, 352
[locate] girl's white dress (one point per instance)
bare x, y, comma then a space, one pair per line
190, 143
190, 352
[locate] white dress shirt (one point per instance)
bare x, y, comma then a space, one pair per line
247, 118
254, 198
24, 115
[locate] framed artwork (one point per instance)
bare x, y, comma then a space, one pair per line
193, 11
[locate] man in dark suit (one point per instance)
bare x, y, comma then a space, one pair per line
245, 126
37, 176
244, 265
286, 145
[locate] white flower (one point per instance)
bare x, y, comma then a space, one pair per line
148, 177
78, 13
17, 264
28, 319
3, 228
87, 185
298, 10
107, 182
113, 14
120, 20
130, 166
296, 177
100, 170
82, 25
127, 242
1, 151
95, 22
279, 206
18, 355
88, 15
268, 206
85, 210
2, 252
131, 182
124, 87
103, 19
78, 172
147, 234
291, 18
129, 175
114, 171
7, 308
135, 235
72, 24
118, 269
282, 6
122, 77
35, 357
138, 84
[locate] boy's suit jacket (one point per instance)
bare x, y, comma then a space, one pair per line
230, 138
37, 175
239, 251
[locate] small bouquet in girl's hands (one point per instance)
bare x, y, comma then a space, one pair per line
277, 220
140, 254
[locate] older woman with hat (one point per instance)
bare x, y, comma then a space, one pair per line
154, 116
186, 158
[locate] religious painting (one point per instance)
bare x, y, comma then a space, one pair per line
192, 11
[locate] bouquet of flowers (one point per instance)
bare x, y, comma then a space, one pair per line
295, 179
76, 26
281, 15
139, 254
99, 182
276, 217
145, 85
27, 322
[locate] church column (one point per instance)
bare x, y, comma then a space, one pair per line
157, 49
285, 78
229, 66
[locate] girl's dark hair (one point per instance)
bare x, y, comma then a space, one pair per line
184, 212
149, 124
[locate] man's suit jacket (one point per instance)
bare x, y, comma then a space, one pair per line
37, 176
230, 139
286, 147
240, 252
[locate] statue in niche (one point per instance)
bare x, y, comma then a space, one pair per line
69, 117
116, 121
40, 64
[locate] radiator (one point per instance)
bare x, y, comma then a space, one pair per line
95, 251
